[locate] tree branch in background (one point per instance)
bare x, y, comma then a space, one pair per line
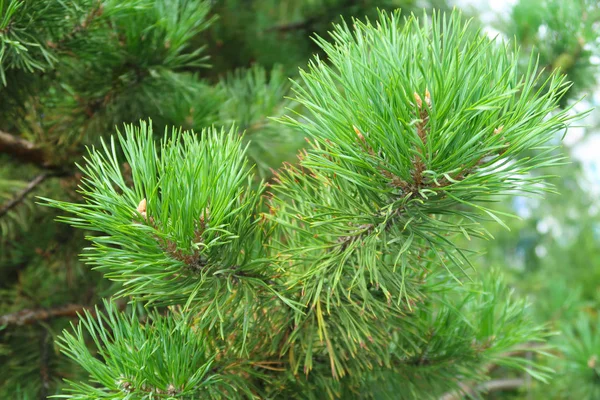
44, 364
491, 386
342, 9
495, 385
19, 197
29, 316
23, 150
292, 26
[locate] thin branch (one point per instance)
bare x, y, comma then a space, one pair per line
486, 387
32, 316
19, 197
495, 385
305, 24
501, 384
23, 150
293, 26
44, 365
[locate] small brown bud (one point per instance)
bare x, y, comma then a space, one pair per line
498, 129
358, 133
141, 208
592, 361
427, 98
123, 384
171, 391
418, 99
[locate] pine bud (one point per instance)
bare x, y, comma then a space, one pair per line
358, 133
141, 208
171, 391
427, 98
418, 99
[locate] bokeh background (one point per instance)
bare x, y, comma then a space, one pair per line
76, 83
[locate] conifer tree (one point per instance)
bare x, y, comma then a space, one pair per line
346, 274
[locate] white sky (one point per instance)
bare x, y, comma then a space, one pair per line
584, 144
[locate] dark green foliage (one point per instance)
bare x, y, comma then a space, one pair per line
270, 32
253, 98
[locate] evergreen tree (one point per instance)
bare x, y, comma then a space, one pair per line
345, 275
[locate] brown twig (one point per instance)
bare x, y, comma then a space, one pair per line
32, 316
23, 150
499, 384
422, 132
342, 9
19, 197
293, 26
44, 365
490, 386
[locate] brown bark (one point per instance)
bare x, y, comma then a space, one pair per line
23, 150
486, 387
32, 316
19, 197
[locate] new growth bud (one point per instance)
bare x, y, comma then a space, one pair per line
141, 208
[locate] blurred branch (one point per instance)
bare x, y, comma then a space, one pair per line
293, 26
29, 316
23, 150
44, 365
19, 197
491, 386
305, 24
495, 385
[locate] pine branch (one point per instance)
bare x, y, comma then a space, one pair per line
23, 150
19, 197
32, 316
197, 236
